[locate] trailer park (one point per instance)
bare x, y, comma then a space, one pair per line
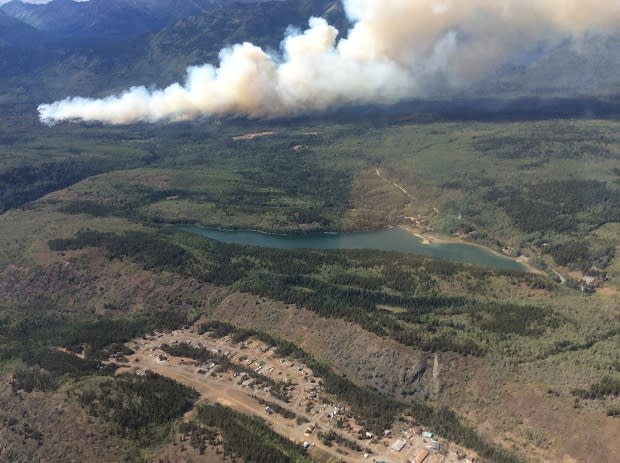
252, 378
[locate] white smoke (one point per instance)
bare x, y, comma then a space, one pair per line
395, 49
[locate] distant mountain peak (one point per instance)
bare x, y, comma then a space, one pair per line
20, 4
105, 19
16, 33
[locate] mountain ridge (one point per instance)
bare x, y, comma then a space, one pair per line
14, 32
159, 57
105, 19
162, 57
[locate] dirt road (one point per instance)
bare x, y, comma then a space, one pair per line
226, 392
225, 388
401, 188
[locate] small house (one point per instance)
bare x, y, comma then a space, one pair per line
399, 445
421, 456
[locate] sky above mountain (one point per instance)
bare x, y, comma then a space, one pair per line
36, 2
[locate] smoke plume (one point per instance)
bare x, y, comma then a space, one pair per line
395, 49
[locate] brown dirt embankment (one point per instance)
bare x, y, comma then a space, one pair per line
363, 356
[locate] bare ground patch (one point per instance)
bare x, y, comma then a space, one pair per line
252, 136
364, 357
30, 425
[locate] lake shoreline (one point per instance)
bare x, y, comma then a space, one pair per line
396, 239
434, 238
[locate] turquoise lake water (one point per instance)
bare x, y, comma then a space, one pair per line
392, 239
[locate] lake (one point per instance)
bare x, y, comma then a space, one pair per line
391, 239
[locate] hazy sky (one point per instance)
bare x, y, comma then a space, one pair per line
2, 2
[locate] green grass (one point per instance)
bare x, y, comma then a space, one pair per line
611, 233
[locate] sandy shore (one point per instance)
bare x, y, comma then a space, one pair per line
433, 238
